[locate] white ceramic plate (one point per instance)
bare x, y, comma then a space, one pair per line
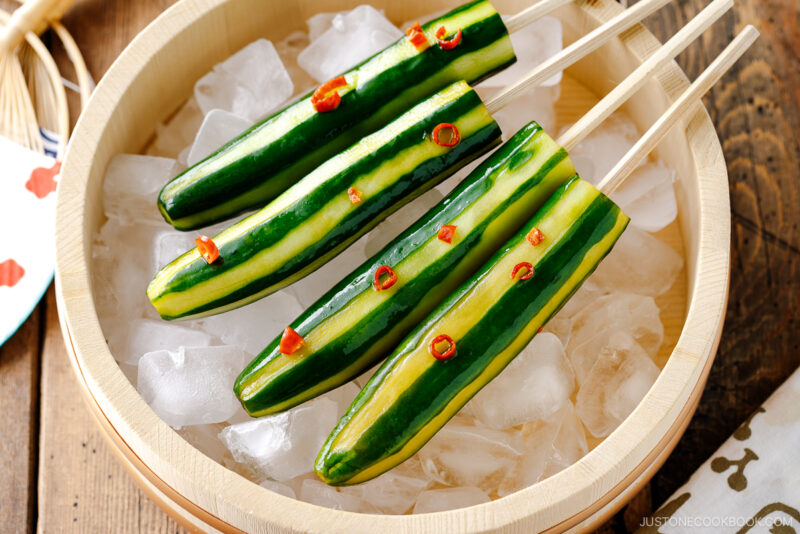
27, 233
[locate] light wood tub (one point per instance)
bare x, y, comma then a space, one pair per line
156, 73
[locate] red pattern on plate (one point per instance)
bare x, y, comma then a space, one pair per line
41, 182
11, 272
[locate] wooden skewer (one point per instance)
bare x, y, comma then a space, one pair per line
684, 106
533, 13
574, 52
636, 79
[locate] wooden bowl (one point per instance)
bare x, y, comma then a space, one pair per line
156, 73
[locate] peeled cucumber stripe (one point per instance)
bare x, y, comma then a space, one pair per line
315, 219
276, 153
490, 317
352, 327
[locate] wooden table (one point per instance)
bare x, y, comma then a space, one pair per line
59, 474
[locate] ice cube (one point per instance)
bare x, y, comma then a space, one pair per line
240, 416
254, 326
538, 437
146, 335
313, 286
279, 488
619, 378
536, 384
191, 386
604, 147
131, 186
218, 128
396, 223
285, 445
178, 132
205, 438
170, 245
250, 83
439, 500
462, 454
343, 396
560, 327
550, 445
288, 50
353, 37
587, 293
319, 24
346, 499
594, 326
119, 276
536, 104
532, 45
393, 493
570, 443
647, 196
639, 263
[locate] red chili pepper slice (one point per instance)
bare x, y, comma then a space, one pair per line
327, 87
539, 331
447, 354
524, 265
328, 103
446, 233
391, 278
455, 137
354, 194
419, 40
448, 44
535, 236
291, 341
325, 98
208, 250
414, 28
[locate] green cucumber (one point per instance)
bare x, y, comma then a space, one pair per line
274, 154
491, 318
352, 327
315, 219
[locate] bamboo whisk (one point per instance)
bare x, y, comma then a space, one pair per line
31, 89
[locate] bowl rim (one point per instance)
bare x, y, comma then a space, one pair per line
586, 486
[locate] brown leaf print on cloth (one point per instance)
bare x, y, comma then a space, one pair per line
737, 481
743, 432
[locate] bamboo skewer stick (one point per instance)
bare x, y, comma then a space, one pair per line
574, 52
533, 13
684, 106
636, 79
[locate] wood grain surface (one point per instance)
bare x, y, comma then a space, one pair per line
59, 476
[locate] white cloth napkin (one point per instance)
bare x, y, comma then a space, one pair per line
752, 482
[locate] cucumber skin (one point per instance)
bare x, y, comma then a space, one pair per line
503, 320
254, 180
238, 251
378, 332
